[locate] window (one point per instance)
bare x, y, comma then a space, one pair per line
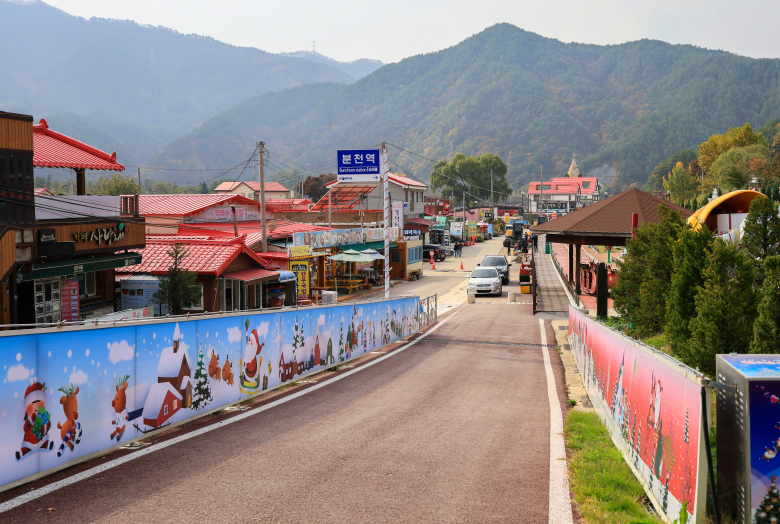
406, 196
165, 410
395, 257
87, 286
175, 403
414, 254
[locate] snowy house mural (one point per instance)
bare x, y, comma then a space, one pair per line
163, 401
175, 369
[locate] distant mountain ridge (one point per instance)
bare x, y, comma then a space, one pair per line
357, 69
534, 101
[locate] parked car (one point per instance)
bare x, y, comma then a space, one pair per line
498, 262
439, 252
485, 281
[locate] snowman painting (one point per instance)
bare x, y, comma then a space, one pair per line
37, 422
249, 381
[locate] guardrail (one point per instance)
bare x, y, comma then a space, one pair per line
571, 286
534, 280
429, 310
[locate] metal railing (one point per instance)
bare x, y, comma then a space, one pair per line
429, 310
534, 280
570, 285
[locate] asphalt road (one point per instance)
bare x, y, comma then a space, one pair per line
450, 429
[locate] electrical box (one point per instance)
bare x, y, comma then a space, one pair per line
748, 443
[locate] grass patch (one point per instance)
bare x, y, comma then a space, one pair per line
657, 341
604, 487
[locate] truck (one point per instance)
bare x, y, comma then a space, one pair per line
514, 230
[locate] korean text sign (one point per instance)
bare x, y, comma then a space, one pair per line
358, 161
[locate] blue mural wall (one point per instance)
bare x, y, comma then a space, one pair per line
68, 394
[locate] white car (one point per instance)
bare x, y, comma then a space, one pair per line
485, 281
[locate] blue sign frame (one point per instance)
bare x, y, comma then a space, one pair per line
358, 161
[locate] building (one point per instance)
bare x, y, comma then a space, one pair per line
166, 213
563, 195
58, 254
345, 197
280, 206
251, 190
175, 369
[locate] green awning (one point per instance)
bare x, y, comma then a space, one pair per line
377, 246
75, 266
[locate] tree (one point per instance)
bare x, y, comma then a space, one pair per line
655, 181
725, 307
316, 186
731, 170
761, 238
178, 289
645, 272
716, 145
472, 175
690, 257
680, 183
116, 184
766, 328
201, 397
204, 189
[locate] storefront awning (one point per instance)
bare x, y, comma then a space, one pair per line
76, 266
254, 275
286, 276
378, 246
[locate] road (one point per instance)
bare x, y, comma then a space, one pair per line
463, 425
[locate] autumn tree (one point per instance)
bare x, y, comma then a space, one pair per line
315, 186
471, 174
725, 307
680, 183
716, 145
732, 169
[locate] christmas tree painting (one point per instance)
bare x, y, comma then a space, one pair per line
201, 397
685, 436
297, 338
341, 343
769, 510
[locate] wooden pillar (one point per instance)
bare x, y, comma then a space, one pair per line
81, 182
577, 268
571, 262
14, 304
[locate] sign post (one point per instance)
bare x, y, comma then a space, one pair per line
386, 193
358, 165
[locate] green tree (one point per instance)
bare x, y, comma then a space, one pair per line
732, 169
716, 145
680, 183
725, 307
115, 184
645, 272
766, 328
690, 258
204, 189
471, 174
178, 289
655, 181
761, 237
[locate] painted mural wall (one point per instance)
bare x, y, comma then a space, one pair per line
71, 393
652, 409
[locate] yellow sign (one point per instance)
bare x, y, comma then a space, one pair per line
301, 270
299, 251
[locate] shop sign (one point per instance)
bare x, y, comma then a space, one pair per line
47, 235
412, 232
69, 300
322, 239
299, 251
446, 238
301, 270
107, 234
225, 213
456, 228
377, 234
397, 214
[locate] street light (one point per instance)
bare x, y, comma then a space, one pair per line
669, 195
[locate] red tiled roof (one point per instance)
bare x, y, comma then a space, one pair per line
611, 216
400, 180
289, 204
254, 186
284, 228
52, 149
181, 205
210, 257
565, 186
43, 191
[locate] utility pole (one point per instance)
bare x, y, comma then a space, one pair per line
541, 189
264, 238
140, 188
463, 233
492, 202
386, 195
361, 217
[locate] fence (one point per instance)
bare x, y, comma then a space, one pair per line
534, 280
429, 310
570, 286
651, 405
69, 393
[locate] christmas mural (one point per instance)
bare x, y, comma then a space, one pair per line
69, 393
652, 409
765, 445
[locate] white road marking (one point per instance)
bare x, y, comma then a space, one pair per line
559, 511
54, 486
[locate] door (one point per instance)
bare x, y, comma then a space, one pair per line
47, 301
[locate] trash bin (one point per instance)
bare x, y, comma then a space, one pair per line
512, 295
546, 248
330, 297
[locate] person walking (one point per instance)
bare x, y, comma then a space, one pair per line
536, 242
458, 249
508, 246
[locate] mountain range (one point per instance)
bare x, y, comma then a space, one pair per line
535, 101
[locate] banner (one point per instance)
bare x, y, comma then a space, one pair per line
320, 239
651, 405
301, 270
456, 228
70, 392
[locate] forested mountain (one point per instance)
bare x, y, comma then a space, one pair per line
356, 69
532, 100
120, 71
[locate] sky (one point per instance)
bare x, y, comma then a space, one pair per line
350, 29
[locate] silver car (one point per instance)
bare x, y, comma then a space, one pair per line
485, 281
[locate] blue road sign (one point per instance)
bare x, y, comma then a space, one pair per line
358, 162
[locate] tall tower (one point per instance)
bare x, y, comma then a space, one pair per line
574, 171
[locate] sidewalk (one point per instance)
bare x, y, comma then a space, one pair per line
552, 296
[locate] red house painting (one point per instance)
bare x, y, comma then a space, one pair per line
163, 401
286, 370
317, 348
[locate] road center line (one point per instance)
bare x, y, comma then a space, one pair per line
559, 510
54, 486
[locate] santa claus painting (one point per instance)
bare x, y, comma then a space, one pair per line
250, 364
36, 422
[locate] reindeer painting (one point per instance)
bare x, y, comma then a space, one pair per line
227, 372
70, 431
214, 371
120, 408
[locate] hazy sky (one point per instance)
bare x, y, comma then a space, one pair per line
390, 31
